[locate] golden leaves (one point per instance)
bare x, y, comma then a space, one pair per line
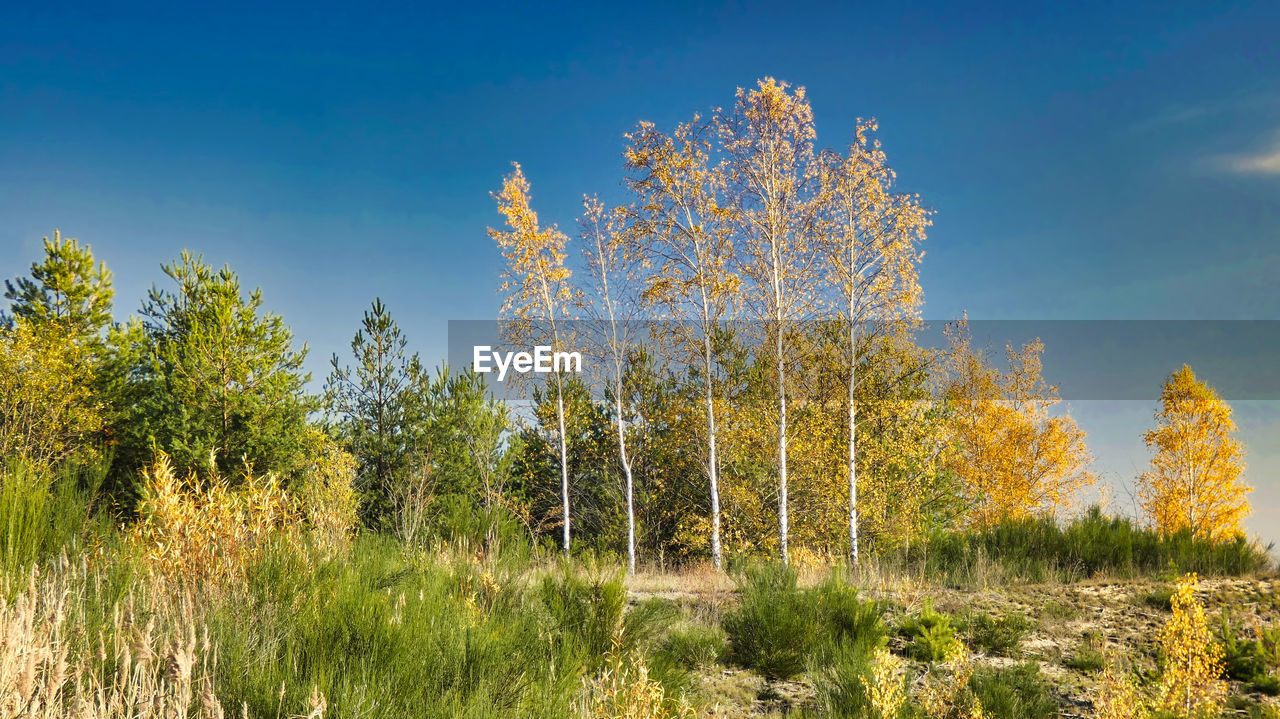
1014, 458
1191, 685
47, 409
1194, 480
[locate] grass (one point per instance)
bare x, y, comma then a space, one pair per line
998, 636
456, 629
1018, 692
779, 628
1093, 545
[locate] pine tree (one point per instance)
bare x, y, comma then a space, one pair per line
220, 382
67, 287
368, 402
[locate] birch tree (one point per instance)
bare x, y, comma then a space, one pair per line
1195, 478
681, 223
605, 253
768, 139
871, 237
538, 294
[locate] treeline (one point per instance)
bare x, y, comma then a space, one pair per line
780, 403
775, 399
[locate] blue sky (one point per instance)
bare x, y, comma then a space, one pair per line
1085, 161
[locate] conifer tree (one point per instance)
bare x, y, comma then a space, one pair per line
368, 402
67, 287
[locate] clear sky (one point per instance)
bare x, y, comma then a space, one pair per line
1086, 161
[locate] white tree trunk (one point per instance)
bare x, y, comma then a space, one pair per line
712, 469
783, 523
564, 459
853, 456
626, 470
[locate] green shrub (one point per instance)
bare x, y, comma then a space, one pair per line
997, 636
1251, 661
585, 613
774, 625
1017, 692
694, 646
1160, 598
1038, 549
841, 686
844, 619
930, 635
1087, 659
778, 628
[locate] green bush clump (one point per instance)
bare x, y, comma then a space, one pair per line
930, 635
842, 684
1252, 661
1087, 659
774, 625
778, 628
1018, 692
1039, 549
998, 636
1160, 598
694, 646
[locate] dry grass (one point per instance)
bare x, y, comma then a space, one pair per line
197, 531
53, 663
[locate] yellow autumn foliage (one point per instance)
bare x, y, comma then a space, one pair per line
1191, 685
205, 529
326, 493
1195, 477
625, 691
47, 409
1015, 459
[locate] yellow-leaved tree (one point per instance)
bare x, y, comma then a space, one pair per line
1014, 459
872, 237
539, 295
1194, 481
1191, 685
47, 409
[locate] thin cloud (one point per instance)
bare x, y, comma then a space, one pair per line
1266, 162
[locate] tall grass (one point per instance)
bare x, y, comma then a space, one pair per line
43, 512
1039, 550
780, 629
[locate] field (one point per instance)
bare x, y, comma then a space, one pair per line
276, 620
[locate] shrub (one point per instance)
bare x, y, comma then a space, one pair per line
1117, 695
625, 690
1037, 549
1251, 660
930, 635
1160, 598
1017, 692
198, 531
1086, 659
997, 636
694, 646
844, 619
843, 685
774, 625
1190, 683
326, 492
47, 411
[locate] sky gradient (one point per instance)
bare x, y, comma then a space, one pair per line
1085, 161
